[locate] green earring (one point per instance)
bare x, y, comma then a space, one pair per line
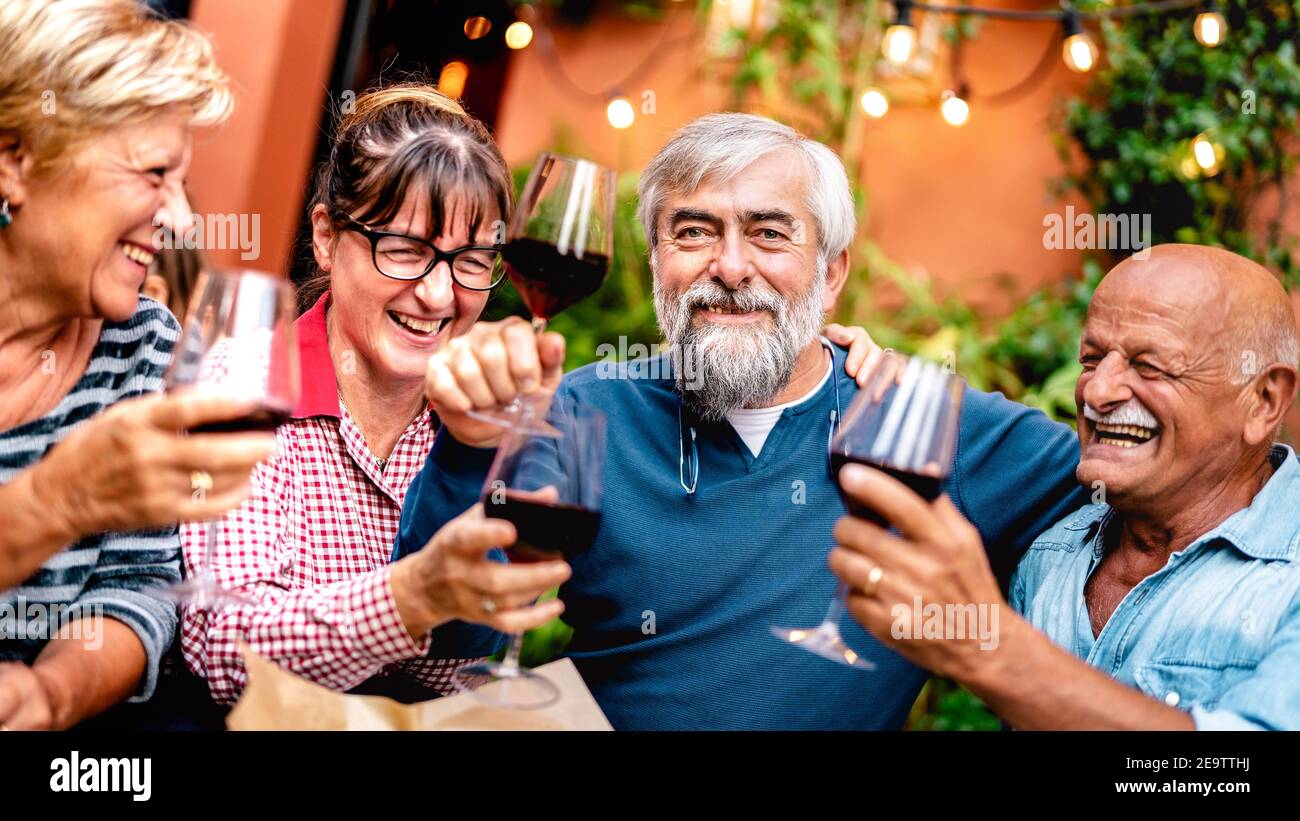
6, 219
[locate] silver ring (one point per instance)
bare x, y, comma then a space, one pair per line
200, 480
489, 606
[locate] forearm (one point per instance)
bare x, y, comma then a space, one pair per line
29, 533
93, 664
1035, 685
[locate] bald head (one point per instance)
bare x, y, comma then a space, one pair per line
1224, 300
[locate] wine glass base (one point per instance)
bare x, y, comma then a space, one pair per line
824, 640
527, 423
506, 685
202, 592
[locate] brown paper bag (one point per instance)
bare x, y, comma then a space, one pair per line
275, 699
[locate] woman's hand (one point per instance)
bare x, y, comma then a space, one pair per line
130, 468
489, 366
452, 578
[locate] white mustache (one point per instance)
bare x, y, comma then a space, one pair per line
1132, 412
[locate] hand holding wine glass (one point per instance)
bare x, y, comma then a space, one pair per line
906, 426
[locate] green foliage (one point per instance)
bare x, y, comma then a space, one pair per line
1156, 91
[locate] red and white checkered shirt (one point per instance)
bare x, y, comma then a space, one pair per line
312, 544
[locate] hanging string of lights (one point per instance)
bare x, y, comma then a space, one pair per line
1078, 50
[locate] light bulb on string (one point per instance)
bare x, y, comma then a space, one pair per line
900, 38
518, 35
1079, 50
451, 81
1208, 154
620, 113
874, 103
954, 108
477, 27
1209, 26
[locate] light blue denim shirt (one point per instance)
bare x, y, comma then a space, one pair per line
1216, 631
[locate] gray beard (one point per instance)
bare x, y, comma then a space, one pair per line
737, 367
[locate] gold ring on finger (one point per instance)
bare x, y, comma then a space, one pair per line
873, 580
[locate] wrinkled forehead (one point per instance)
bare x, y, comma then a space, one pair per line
776, 181
1159, 304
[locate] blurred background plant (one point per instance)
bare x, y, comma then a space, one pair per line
1127, 144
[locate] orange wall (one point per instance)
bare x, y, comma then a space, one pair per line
279, 54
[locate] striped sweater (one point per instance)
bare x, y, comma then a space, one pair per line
109, 575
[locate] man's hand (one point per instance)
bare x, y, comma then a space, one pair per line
24, 702
488, 367
936, 558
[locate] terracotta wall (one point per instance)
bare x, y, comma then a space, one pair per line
279, 54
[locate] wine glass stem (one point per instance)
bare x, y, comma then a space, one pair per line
837, 605
511, 660
528, 410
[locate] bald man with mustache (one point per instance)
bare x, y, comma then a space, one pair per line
1174, 601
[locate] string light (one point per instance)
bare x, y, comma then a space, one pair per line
954, 108
874, 103
900, 38
452, 79
519, 34
476, 27
1210, 25
620, 113
1207, 153
1079, 51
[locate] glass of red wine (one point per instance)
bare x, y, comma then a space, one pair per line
549, 487
905, 425
238, 342
557, 251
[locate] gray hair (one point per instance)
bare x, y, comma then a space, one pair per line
1267, 337
722, 145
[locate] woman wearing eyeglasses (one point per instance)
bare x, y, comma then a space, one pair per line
404, 224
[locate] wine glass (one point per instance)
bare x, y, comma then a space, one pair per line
905, 425
549, 487
238, 342
557, 252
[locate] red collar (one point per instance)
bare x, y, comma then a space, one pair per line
320, 387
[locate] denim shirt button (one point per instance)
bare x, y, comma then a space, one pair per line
1172, 698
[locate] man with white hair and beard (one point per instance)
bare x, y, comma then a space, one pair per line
719, 504
1174, 602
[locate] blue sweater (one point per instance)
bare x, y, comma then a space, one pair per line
671, 606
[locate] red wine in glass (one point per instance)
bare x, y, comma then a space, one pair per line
927, 487
548, 281
263, 418
546, 530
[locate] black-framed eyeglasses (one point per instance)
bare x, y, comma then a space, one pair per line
404, 257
